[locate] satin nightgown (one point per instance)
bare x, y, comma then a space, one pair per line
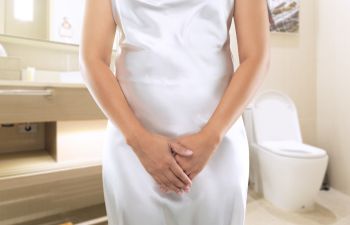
173, 67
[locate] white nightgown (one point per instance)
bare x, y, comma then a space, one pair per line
174, 65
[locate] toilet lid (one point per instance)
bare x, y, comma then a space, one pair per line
293, 149
275, 118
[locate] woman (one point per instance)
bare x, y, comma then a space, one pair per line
176, 150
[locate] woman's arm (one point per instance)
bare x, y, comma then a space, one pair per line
252, 29
94, 59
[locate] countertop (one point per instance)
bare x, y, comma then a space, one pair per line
21, 83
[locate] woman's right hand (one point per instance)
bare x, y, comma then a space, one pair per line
155, 154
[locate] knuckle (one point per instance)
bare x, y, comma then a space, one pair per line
171, 143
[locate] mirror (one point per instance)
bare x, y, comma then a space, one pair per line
46, 20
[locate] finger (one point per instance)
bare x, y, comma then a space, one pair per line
177, 158
172, 183
177, 170
176, 181
179, 148
192, 175
160, 183
162, 189
166, 183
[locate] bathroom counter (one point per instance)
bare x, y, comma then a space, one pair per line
21, 83
27, 101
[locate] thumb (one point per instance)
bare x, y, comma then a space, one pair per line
180, 149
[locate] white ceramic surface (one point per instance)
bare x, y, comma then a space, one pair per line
288, 172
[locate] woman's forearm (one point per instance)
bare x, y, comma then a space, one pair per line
237, 95
107, 93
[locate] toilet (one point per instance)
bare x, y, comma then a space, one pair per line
286, 171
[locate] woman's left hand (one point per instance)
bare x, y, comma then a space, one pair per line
203, 146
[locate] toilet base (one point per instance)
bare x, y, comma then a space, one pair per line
291, 184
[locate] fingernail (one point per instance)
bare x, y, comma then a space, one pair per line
189, 151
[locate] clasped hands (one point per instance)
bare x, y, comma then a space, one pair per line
175, 162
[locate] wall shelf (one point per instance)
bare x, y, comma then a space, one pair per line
67, 145
28, 162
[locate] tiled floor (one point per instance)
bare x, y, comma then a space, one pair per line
331, 208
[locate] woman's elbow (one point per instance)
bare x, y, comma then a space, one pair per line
86, 63
260, 60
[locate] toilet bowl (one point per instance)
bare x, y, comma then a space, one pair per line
286, 171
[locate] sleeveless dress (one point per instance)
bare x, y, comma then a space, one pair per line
173, 66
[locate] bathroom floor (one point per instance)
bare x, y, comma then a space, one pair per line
332, 208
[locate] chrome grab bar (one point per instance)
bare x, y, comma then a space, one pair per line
26, 92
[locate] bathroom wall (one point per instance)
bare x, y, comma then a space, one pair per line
333, 89
43, 58
2, 16
293, 68
38, 28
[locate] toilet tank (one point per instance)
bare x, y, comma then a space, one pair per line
275, 118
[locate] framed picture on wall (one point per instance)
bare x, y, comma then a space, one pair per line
284, 15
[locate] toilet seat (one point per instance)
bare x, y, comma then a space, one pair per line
293, 149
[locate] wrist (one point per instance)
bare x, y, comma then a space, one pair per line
214, 136
135, 138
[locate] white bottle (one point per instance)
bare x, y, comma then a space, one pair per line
2, 51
